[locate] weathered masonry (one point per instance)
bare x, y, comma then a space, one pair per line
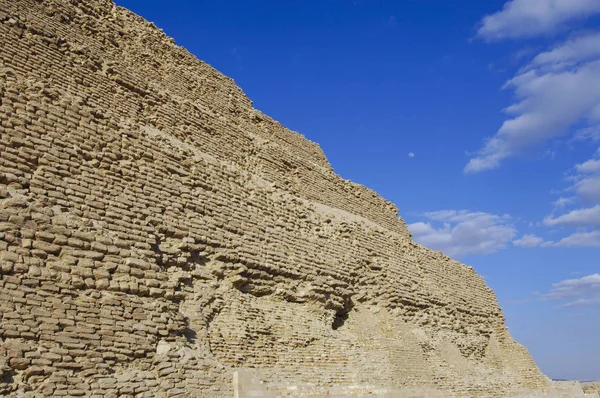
157, 233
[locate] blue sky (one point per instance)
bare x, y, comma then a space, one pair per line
479, 119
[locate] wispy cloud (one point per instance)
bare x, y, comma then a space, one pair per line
529, 241
570, 53
576, 292
590, 166
587, 133
562, 202
557, 89
459, 233
578, 218
581, 239
583, 213
527, 18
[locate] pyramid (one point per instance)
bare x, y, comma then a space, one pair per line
159, 235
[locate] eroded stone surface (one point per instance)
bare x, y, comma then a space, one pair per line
157, 232
592, 388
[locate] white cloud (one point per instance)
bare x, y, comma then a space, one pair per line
463, 232
559, 88
587, 180
586, 184
581, 239
588, 189
590, 166
587, 133
556, 91
571, 52
527, 18
577, 292
411, 155
528, 241
562, 202
579, 218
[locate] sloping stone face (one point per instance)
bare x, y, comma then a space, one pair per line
157, 232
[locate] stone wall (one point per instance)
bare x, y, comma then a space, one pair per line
592, 388
157, 232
